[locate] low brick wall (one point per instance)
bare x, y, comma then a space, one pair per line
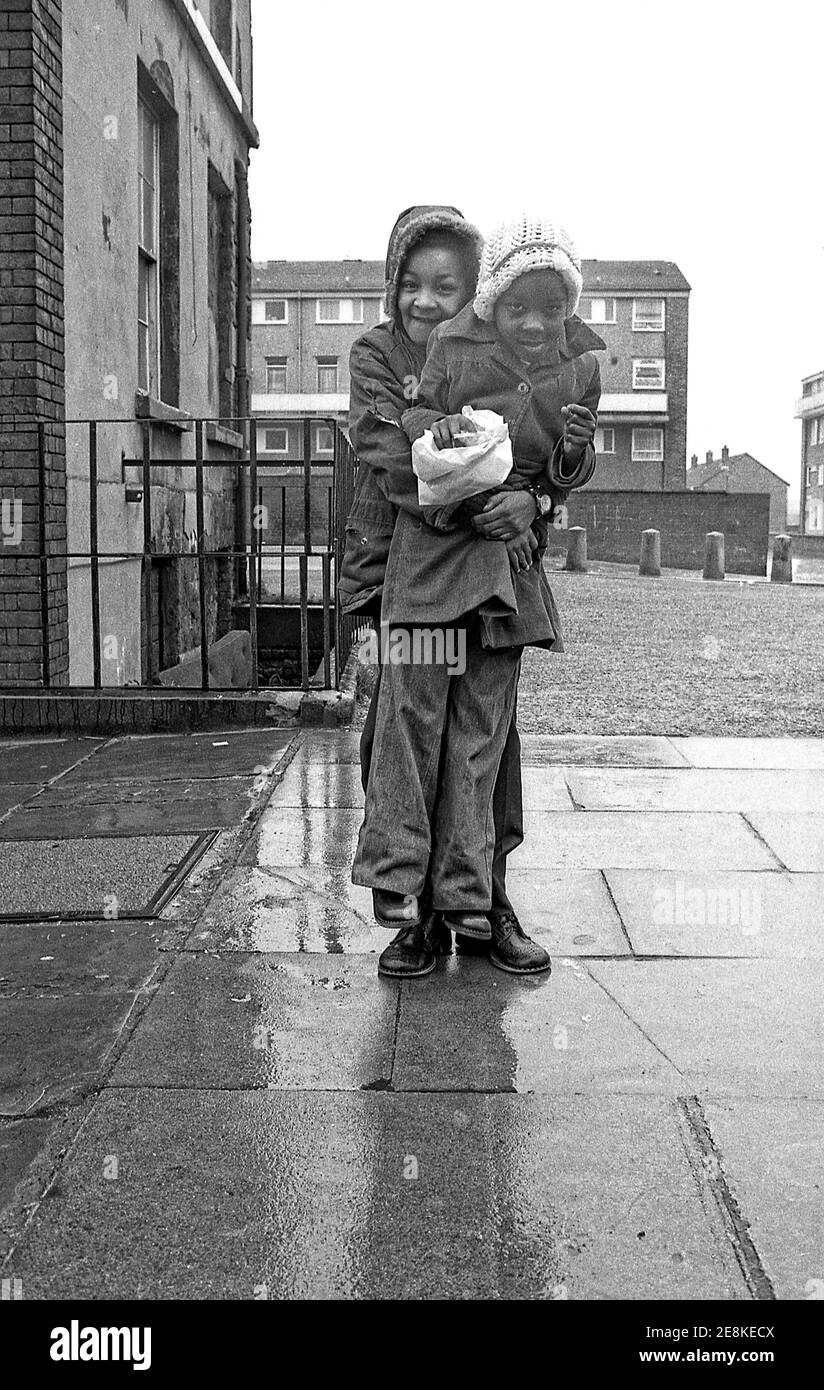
614, 522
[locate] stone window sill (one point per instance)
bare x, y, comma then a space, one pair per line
149, 408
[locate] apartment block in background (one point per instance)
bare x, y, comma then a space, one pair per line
809, 409
641, 310
741, 473
305, 317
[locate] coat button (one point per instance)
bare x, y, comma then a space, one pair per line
523, 385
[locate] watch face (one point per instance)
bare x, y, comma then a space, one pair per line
544, 505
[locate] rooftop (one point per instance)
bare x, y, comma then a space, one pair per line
318, 277
700, 474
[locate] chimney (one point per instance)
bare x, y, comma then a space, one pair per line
709, 456
725, 454
694, 461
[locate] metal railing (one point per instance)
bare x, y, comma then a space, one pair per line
305, 547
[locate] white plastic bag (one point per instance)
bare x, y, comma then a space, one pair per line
451, 475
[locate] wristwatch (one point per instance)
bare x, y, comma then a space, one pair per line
542, 501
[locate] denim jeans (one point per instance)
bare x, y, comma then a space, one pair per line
432, 779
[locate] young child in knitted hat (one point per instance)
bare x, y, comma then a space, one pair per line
518, 350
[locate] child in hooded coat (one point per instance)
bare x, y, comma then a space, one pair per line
385, 367
533, 363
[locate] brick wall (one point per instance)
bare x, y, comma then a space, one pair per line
615, 520
31, 338
675, 436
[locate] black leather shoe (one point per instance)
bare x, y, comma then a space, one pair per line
395, 909
412, 952
469, 924
513, 950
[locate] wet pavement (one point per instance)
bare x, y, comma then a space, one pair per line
207, 1091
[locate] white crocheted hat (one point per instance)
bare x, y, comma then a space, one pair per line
514, 248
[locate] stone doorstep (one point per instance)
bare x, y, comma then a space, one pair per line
83, 710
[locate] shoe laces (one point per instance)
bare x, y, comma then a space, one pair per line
507, 924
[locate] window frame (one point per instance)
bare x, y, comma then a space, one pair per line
647, 327
639, 455
275, 429
276, 299
649, 362
602, 299
602, 430
318, 449
338, 299
324, 363
280, 364
148, 260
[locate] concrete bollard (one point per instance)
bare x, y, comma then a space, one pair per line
577, 550
714, 555
781, 571
650, 553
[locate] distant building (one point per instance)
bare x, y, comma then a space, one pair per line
741, 473
305, 317
809, 409
641, 310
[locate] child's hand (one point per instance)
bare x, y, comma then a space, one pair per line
579, 430
445, 431
506, 515
520, 551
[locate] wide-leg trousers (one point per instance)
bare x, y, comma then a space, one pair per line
441, 771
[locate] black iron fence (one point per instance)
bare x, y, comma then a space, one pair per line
275, 578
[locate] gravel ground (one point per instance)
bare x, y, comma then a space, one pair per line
677, 655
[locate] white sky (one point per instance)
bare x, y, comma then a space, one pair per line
687, 132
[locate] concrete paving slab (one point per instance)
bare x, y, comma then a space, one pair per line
595, 750
320, 783
312, 910
296, 837
570, 914
329, 745
732, 1027
21, 1141
198, 805
60, 959
696, 789
545, 789
281, 1021
799, 753
798, 840
470, 1027
172, 757
365, 1197
38, 760
112, 875
16, 793
643, 840
721, 914
53, 1050
772, 1153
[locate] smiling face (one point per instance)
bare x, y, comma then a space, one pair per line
435, 286
529, 316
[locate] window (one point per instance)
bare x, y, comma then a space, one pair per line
815, 431
276, 440
148, 251
339, 311
821, 475
647, 445
597, 310
324, 441
275, 375
809, 388
276, 311
815, 516
327, 375
648, 374
221, 291
158, 239
604, 441
648, 315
